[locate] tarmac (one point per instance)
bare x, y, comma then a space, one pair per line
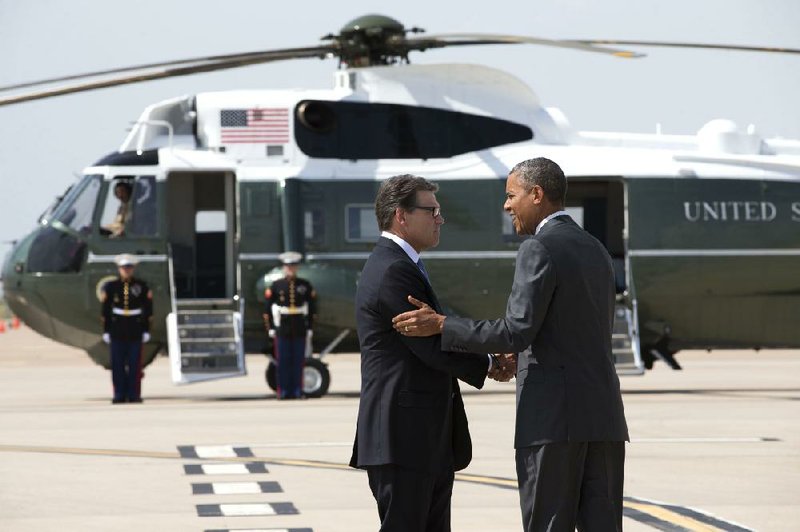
714, 447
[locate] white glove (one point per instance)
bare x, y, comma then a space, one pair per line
271, 333
309, 334
145, 337
106, 338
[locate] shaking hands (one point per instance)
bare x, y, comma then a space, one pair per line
504, 367
426, 322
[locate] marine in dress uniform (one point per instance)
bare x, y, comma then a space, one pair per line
127, 310
289, 317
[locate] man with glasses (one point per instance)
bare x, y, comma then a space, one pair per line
126, 313
412, 430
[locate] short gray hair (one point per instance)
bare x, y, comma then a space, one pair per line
399, 191
544, 173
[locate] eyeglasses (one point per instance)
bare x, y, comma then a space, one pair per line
435, 211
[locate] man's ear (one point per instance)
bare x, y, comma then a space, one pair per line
537, 194
400, 216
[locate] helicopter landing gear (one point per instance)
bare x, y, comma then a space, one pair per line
660, 351
316, 377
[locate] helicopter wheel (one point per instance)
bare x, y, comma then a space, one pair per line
271, 376
316, 377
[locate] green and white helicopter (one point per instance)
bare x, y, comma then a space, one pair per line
704, 229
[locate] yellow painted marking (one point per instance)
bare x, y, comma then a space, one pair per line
311, 463
672, 517
87, 452
654, 510
489, 481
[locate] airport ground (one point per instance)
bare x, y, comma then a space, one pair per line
715, 447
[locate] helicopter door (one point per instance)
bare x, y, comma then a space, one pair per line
599, 207
201, 233
204, 329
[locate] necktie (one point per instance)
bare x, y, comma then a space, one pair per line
421, 267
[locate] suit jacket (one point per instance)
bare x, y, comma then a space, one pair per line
559, 317
410, 412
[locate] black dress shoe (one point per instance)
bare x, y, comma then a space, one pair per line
137, 400
117, 401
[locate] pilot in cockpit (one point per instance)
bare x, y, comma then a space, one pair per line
122, 191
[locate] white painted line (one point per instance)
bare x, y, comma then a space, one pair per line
233, 510
231, 488
215, 451
714, 252
296, 444
225, 469
259, 530
700, 440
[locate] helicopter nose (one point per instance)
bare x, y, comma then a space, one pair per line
23, 290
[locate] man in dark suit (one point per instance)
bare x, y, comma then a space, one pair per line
412, 429
570, 428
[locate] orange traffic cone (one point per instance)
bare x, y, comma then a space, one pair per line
15, 323
2, 326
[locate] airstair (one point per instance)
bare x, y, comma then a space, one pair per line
625, 340
205, 338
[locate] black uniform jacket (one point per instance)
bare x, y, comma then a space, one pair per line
559, 317
410, 413
127, 308
292, 294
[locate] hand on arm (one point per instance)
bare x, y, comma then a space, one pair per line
422, 322
403, 278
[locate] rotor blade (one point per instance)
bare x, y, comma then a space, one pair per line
162, 73
734, 47
133, 68
456, 39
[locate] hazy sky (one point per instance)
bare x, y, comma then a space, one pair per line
44, 144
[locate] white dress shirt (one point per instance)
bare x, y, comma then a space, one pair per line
410, 251
547, 219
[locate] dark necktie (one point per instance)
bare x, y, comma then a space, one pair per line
421, 267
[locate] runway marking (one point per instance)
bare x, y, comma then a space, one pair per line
704, 440
225, 469
289, 445
260, 530
235, 488
658, 515
698, 515
213, 451
668, 517
249, 509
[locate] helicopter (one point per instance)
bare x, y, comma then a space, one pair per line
702, 229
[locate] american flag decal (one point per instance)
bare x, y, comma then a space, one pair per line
254, 126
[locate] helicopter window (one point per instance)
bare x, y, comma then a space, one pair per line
77, 209
313, 226
360, 223
54, 251
354, 130
130, 207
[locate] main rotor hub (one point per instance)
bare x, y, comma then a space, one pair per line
372, 40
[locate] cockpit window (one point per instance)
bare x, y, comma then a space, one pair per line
77, 209
130, 207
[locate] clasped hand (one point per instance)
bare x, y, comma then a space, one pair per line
506, 368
